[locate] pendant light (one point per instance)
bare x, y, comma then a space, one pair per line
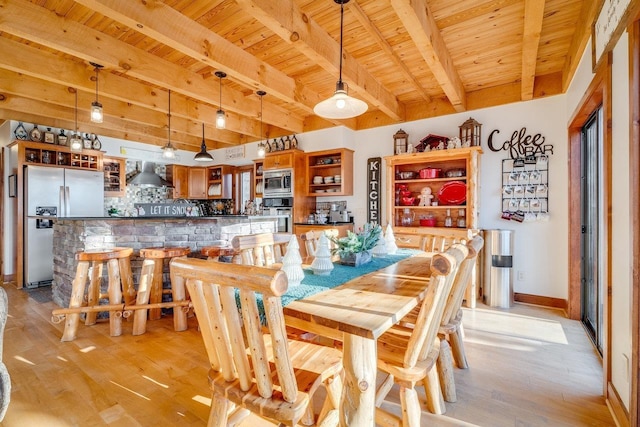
75, 142
96, 107
221, 120
168, 151
261, 144
340, 105
203, 156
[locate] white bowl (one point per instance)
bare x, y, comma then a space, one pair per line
319, 191
337, 177
328, 179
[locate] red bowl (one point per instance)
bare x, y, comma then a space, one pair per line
428, 222
407, 201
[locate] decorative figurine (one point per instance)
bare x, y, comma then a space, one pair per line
425, 196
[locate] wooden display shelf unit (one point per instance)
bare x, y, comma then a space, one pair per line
220, 182
329, 165
258, 178
466, 159
114, 176
43, 154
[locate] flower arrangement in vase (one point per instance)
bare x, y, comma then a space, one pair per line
355, 248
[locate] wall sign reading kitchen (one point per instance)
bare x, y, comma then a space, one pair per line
373, 189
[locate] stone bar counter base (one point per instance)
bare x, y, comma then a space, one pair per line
71, 235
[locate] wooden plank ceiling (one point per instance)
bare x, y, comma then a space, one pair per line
407, 59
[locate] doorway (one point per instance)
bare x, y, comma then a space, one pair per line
591, 220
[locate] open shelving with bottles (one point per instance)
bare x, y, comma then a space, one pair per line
451, 177
45, 154
330, 172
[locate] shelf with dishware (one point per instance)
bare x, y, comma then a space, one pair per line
114, 176
433, 189
330, 172
220, 182
258, 178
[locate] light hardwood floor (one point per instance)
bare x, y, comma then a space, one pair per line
528, 367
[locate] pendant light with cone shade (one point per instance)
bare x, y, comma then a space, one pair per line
221, 120
340, 105
261, 145
169, 151
96, 107
203, 156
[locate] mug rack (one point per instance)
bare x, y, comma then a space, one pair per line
525, 189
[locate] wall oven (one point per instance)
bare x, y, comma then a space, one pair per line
283, 206
278, 183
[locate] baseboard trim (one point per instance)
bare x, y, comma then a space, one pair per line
618, 411
540, 300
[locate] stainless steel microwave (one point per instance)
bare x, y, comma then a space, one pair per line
278, 183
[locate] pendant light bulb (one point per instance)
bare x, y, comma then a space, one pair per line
203, 155
340, 105
168, 151
75, 142
96, 107
261, 145
221, 120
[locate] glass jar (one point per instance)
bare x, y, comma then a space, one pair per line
407, 218
462, 221
448, 221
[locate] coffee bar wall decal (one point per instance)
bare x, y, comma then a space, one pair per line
373, 189
520, 145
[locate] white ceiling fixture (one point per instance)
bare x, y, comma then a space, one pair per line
340, 105
96, 107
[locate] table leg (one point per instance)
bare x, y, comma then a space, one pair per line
357, 405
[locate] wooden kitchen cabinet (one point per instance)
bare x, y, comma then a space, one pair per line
178, 176
281, 159
44, 154
335, 168
258, 178
220, 182
197, 187
114, 176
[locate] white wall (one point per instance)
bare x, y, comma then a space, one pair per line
621, 278
9, 204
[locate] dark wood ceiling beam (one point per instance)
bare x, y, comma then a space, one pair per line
160, 22
38, 24
533, 14
421, 26
294, 27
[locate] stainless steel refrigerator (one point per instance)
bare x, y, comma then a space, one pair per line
51, 192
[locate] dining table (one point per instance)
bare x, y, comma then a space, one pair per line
357, 312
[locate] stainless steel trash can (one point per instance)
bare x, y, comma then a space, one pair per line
498, 268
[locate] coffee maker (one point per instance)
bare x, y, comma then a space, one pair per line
334, 214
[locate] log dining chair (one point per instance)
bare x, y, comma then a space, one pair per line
310, 239
255, 249
251, 370
408, 355
450, 331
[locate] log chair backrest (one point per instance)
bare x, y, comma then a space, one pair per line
255, 249
280, 242
311, 237
462, 279
212, 287
444, 267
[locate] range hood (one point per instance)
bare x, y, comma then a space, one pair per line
147, 177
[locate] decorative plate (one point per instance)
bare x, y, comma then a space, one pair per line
453, 193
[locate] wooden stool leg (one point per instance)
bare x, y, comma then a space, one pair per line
457, 347
77, 293
93, 294
144, 289
126, 276
156, 290
115, 297
178, 293
445, 372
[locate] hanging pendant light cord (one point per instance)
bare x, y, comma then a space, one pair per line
341, 26
76, 111
169, 121
220, 99
97, 84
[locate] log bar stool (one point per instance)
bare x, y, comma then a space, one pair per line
150, 290
218, 253
120, 282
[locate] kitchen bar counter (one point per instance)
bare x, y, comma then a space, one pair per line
71, 235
